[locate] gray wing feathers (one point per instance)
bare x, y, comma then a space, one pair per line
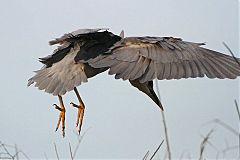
167, 71
127, 73
63, 76
147, 58
150, 72
118, 68
174, 71
181, 71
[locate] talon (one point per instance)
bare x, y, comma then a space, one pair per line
74, 105
80, 115
57, 107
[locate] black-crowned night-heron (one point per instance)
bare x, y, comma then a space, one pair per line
87, 52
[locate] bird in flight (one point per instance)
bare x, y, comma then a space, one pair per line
84, 53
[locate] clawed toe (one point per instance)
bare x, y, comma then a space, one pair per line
79, 115
61, 118
74, 105
61, 108
57, 107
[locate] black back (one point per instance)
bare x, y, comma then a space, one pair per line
96, 44
57, 55
91, 45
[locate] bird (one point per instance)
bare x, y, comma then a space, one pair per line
85, 53
67, 67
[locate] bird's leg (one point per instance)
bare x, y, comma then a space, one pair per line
61, 118
80, 108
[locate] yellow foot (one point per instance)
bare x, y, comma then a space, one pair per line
61, 118
80, 115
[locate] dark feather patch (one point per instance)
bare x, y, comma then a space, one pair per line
57, 56
95, 44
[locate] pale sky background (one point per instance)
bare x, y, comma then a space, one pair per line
123, 122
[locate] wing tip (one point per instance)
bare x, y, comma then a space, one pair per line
53, 42
30, 82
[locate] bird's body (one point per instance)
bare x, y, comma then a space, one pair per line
68, 66
85, 53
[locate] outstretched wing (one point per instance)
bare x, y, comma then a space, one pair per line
147, 58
